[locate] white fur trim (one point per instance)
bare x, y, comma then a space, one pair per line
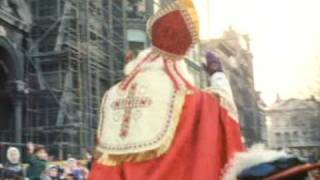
132, 64
257, 154
158, 65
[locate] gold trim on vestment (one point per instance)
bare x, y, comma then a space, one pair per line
113, 160
190, 17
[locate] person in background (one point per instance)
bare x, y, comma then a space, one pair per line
13, 168
52, 173
89, 159
75, 170
37, 159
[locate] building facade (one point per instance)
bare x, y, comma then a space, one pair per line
15, 24
293, 125
234, 51
57, 58
262, 119
138, 12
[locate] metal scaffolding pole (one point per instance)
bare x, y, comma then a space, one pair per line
76, 58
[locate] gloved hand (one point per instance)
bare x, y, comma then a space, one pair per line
213, 64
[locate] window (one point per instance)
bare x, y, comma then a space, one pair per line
136, 9
287, 137
278, 138
136, 46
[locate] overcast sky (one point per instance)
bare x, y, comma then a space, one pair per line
285, 40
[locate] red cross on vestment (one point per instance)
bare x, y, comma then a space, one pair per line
128, 104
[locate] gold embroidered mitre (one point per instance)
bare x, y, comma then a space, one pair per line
174, 30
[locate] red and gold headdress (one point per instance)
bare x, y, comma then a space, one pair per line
174, 29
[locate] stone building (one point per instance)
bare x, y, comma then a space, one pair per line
15, 24
234, 51
294, 125
138, 12
262, 119
57, 58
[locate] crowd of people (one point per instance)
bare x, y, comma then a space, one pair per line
38, 166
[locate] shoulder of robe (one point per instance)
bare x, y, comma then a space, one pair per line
213, 94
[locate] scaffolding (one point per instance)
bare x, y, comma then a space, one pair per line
77, 53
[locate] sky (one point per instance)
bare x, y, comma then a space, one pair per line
285, 40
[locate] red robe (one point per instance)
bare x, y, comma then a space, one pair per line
206, 140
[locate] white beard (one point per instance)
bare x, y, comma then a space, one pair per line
158, 65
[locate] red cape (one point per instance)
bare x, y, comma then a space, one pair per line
206, 139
